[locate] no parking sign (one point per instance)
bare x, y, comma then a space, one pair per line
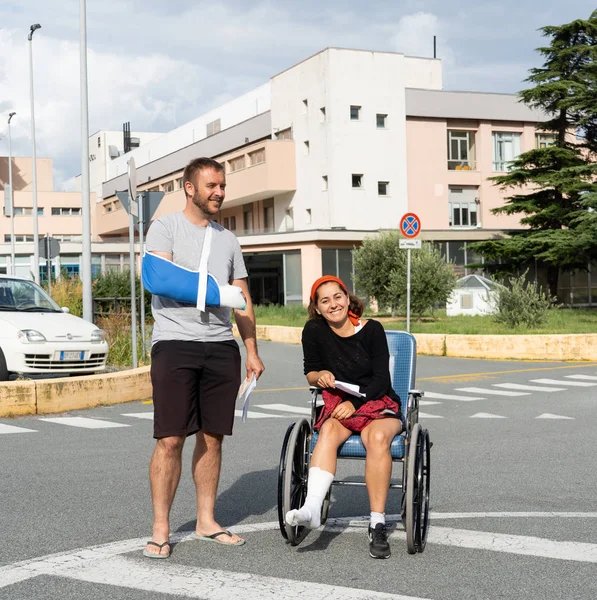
410, 225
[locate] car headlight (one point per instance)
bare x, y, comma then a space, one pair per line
98, 335
30, 336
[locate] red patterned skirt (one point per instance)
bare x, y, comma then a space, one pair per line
374, 409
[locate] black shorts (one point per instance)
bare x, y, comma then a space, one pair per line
195, 385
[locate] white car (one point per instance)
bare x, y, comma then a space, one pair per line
37, 336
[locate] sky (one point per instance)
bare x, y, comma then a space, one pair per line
161, 63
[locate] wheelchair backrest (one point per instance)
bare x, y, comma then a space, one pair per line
403, 359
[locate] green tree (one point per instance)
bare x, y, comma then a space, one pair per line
431, 283
558, 196
374, 262
381, 273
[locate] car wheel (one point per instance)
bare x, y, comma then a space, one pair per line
3, 370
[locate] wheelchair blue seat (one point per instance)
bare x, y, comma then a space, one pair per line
353, 447
403, 353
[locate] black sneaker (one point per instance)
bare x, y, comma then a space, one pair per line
378, 542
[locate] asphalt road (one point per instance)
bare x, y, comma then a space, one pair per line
512, 495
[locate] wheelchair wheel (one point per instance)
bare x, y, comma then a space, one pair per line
417, 490
292, 478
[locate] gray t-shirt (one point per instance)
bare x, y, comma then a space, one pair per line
175, 234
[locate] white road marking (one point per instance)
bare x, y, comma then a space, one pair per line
483, 415
257, 415
427, 402
476, 390
564, 382
587, 377
550, 416
285, 408
84, 422
139, 415
423, 415
530, 388
450, 397
213, 584
13, 429
56, 564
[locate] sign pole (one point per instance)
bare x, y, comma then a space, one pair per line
49, 263
141, 288
132, 214
410, 227
408, 290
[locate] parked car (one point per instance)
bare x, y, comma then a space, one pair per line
37, 336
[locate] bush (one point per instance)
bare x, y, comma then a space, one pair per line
115, 284
523, 303
117, 326
68, 291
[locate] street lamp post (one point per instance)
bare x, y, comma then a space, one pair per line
11, 200
85, 192
32, 30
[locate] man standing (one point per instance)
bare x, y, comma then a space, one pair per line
195, 362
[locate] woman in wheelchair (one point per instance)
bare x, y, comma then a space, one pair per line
340, 346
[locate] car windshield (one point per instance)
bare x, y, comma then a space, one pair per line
26, 296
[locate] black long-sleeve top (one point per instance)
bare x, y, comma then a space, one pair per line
362, 359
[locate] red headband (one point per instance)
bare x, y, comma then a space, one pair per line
354, 319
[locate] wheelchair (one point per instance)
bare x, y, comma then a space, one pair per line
411, 448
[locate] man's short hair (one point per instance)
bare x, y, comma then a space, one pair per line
199, 164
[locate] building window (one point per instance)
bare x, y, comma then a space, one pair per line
461, 150
236, 164
64, 237
213, 127
306, 146
19, 239
324, 183
112, 263
305, 106
268, 215
20, 211
506, 147
544, 140
355, 113
257, 157
466, 301
463, 206
322, 114
226, 223
284, 134
338, 262
232, 223
99, 141
155, 188
63, 212
178, 183
357, 180
248, 220
381, 121
308, 216
383, 188
168, 187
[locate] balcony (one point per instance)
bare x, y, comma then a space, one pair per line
260, 171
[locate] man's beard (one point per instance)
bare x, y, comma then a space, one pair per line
203, 205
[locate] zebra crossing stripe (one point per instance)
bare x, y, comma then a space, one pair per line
587, 377
486, 416
299, 410
84, 422
476, 390
564, 382
530, 388
12, 429
139, 415
257, 415
437, 396
550, 416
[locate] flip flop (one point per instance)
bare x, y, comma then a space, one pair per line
214, 538
160, 546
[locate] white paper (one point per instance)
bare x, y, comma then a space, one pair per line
349, 388
244, 391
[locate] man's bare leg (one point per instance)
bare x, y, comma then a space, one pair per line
207, 461
164, 475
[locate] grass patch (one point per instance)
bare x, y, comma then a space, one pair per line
563, 320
